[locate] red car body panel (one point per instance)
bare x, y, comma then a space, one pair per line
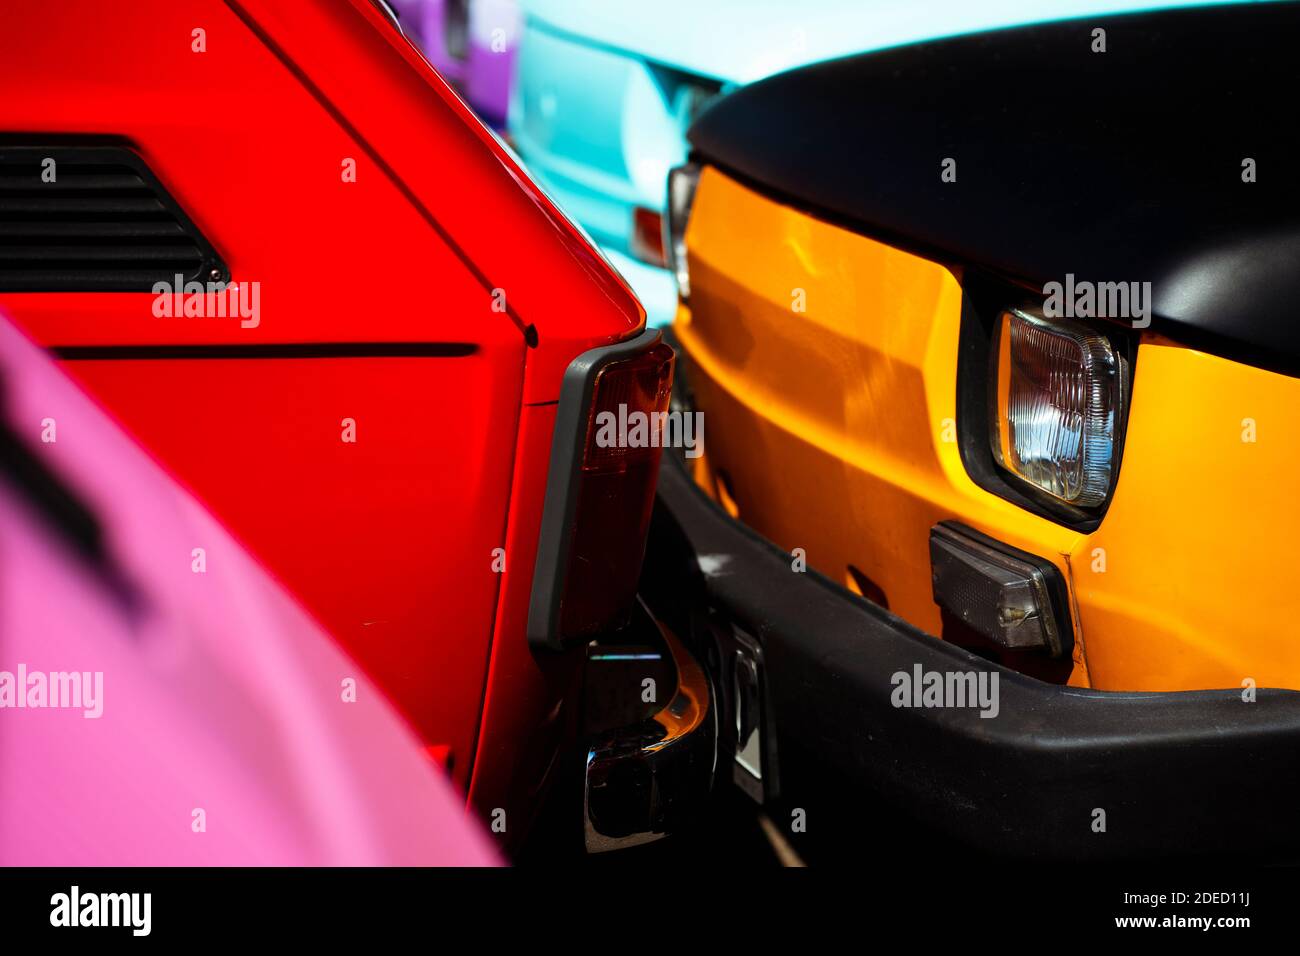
388, 540
513, 758
376, 536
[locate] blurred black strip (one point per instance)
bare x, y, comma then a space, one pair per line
62, 512
509, 906
303, 350
53, 500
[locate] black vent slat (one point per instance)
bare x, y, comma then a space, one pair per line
30, 184
85, 279
30, 161
106, 224
79, 205
81, 229
125, 253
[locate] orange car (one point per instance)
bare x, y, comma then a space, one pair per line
1005, 361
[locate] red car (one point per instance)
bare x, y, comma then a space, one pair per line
275, 244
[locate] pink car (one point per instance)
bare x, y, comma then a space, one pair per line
162, 701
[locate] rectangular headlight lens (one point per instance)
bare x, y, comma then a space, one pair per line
681, 196
1058, 391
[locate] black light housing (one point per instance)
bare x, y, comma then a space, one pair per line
1015, 599
598, 497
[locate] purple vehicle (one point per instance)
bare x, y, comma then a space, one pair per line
472, 43
163, 701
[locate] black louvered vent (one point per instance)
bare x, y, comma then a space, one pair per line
104, 224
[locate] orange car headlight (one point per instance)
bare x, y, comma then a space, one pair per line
1057, 406
681, 196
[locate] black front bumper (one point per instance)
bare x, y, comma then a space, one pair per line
1173, 774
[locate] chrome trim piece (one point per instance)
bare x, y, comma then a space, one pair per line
647, 779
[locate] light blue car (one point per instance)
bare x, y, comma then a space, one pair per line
606, 89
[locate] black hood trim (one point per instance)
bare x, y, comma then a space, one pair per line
1123, 166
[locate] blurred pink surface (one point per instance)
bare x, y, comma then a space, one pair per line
219, 692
